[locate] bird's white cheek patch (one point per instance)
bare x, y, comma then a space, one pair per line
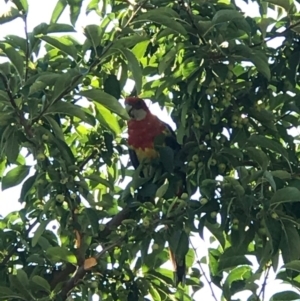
139, 114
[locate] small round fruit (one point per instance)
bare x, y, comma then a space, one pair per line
210, 92
235, 118
262, 231
202, 147
274, 215
196, 118
215, 100
196, 125
207, 137
213, 162
213, 214
192, 164
101, 227
230, 90
195, 158
203, 201
212, 84
73, 195
60, 198
245, 121
155, 247
40, 157
64, 181
200, 164
235, 221
235, 227
187, 230
146, 222
222, 167
213, 121
184, 196
86, 81
45, 137
229, 75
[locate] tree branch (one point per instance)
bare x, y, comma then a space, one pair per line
194, 24
81, 271
263, 287
277, 34
203, 273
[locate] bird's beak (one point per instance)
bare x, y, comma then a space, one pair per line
128, 109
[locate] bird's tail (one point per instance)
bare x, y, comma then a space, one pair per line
179, 267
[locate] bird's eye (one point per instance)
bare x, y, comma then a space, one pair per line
139, 104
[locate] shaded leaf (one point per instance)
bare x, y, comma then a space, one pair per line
106, 100
15, 176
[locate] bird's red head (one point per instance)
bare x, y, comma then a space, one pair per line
136, 108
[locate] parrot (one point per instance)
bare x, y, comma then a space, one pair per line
143, 128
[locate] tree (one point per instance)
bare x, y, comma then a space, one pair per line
234, 99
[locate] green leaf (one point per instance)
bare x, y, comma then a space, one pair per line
226, 15
7, 292
58, 10
26, 187
134, 67
281, 174
65, 151
293, 265
164, 16
14, 56
140, 49
94, 220
58, 254
273, 145
290, 242
75, 6
285, 296
22, 277
60, 27
62, 43
4, 97
269, 177
106, 100
258, 156
286, 4
286, 195
112, 86
21, 5
39, 232
93, 33
41, 282
107, 119
67, 108
12, 148
260, 60
99, 180
15, 176
228, 262
9, 16
237, 274
160, 192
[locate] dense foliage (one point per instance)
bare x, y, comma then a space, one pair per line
235, 101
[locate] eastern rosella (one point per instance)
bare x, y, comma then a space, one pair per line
143, 129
